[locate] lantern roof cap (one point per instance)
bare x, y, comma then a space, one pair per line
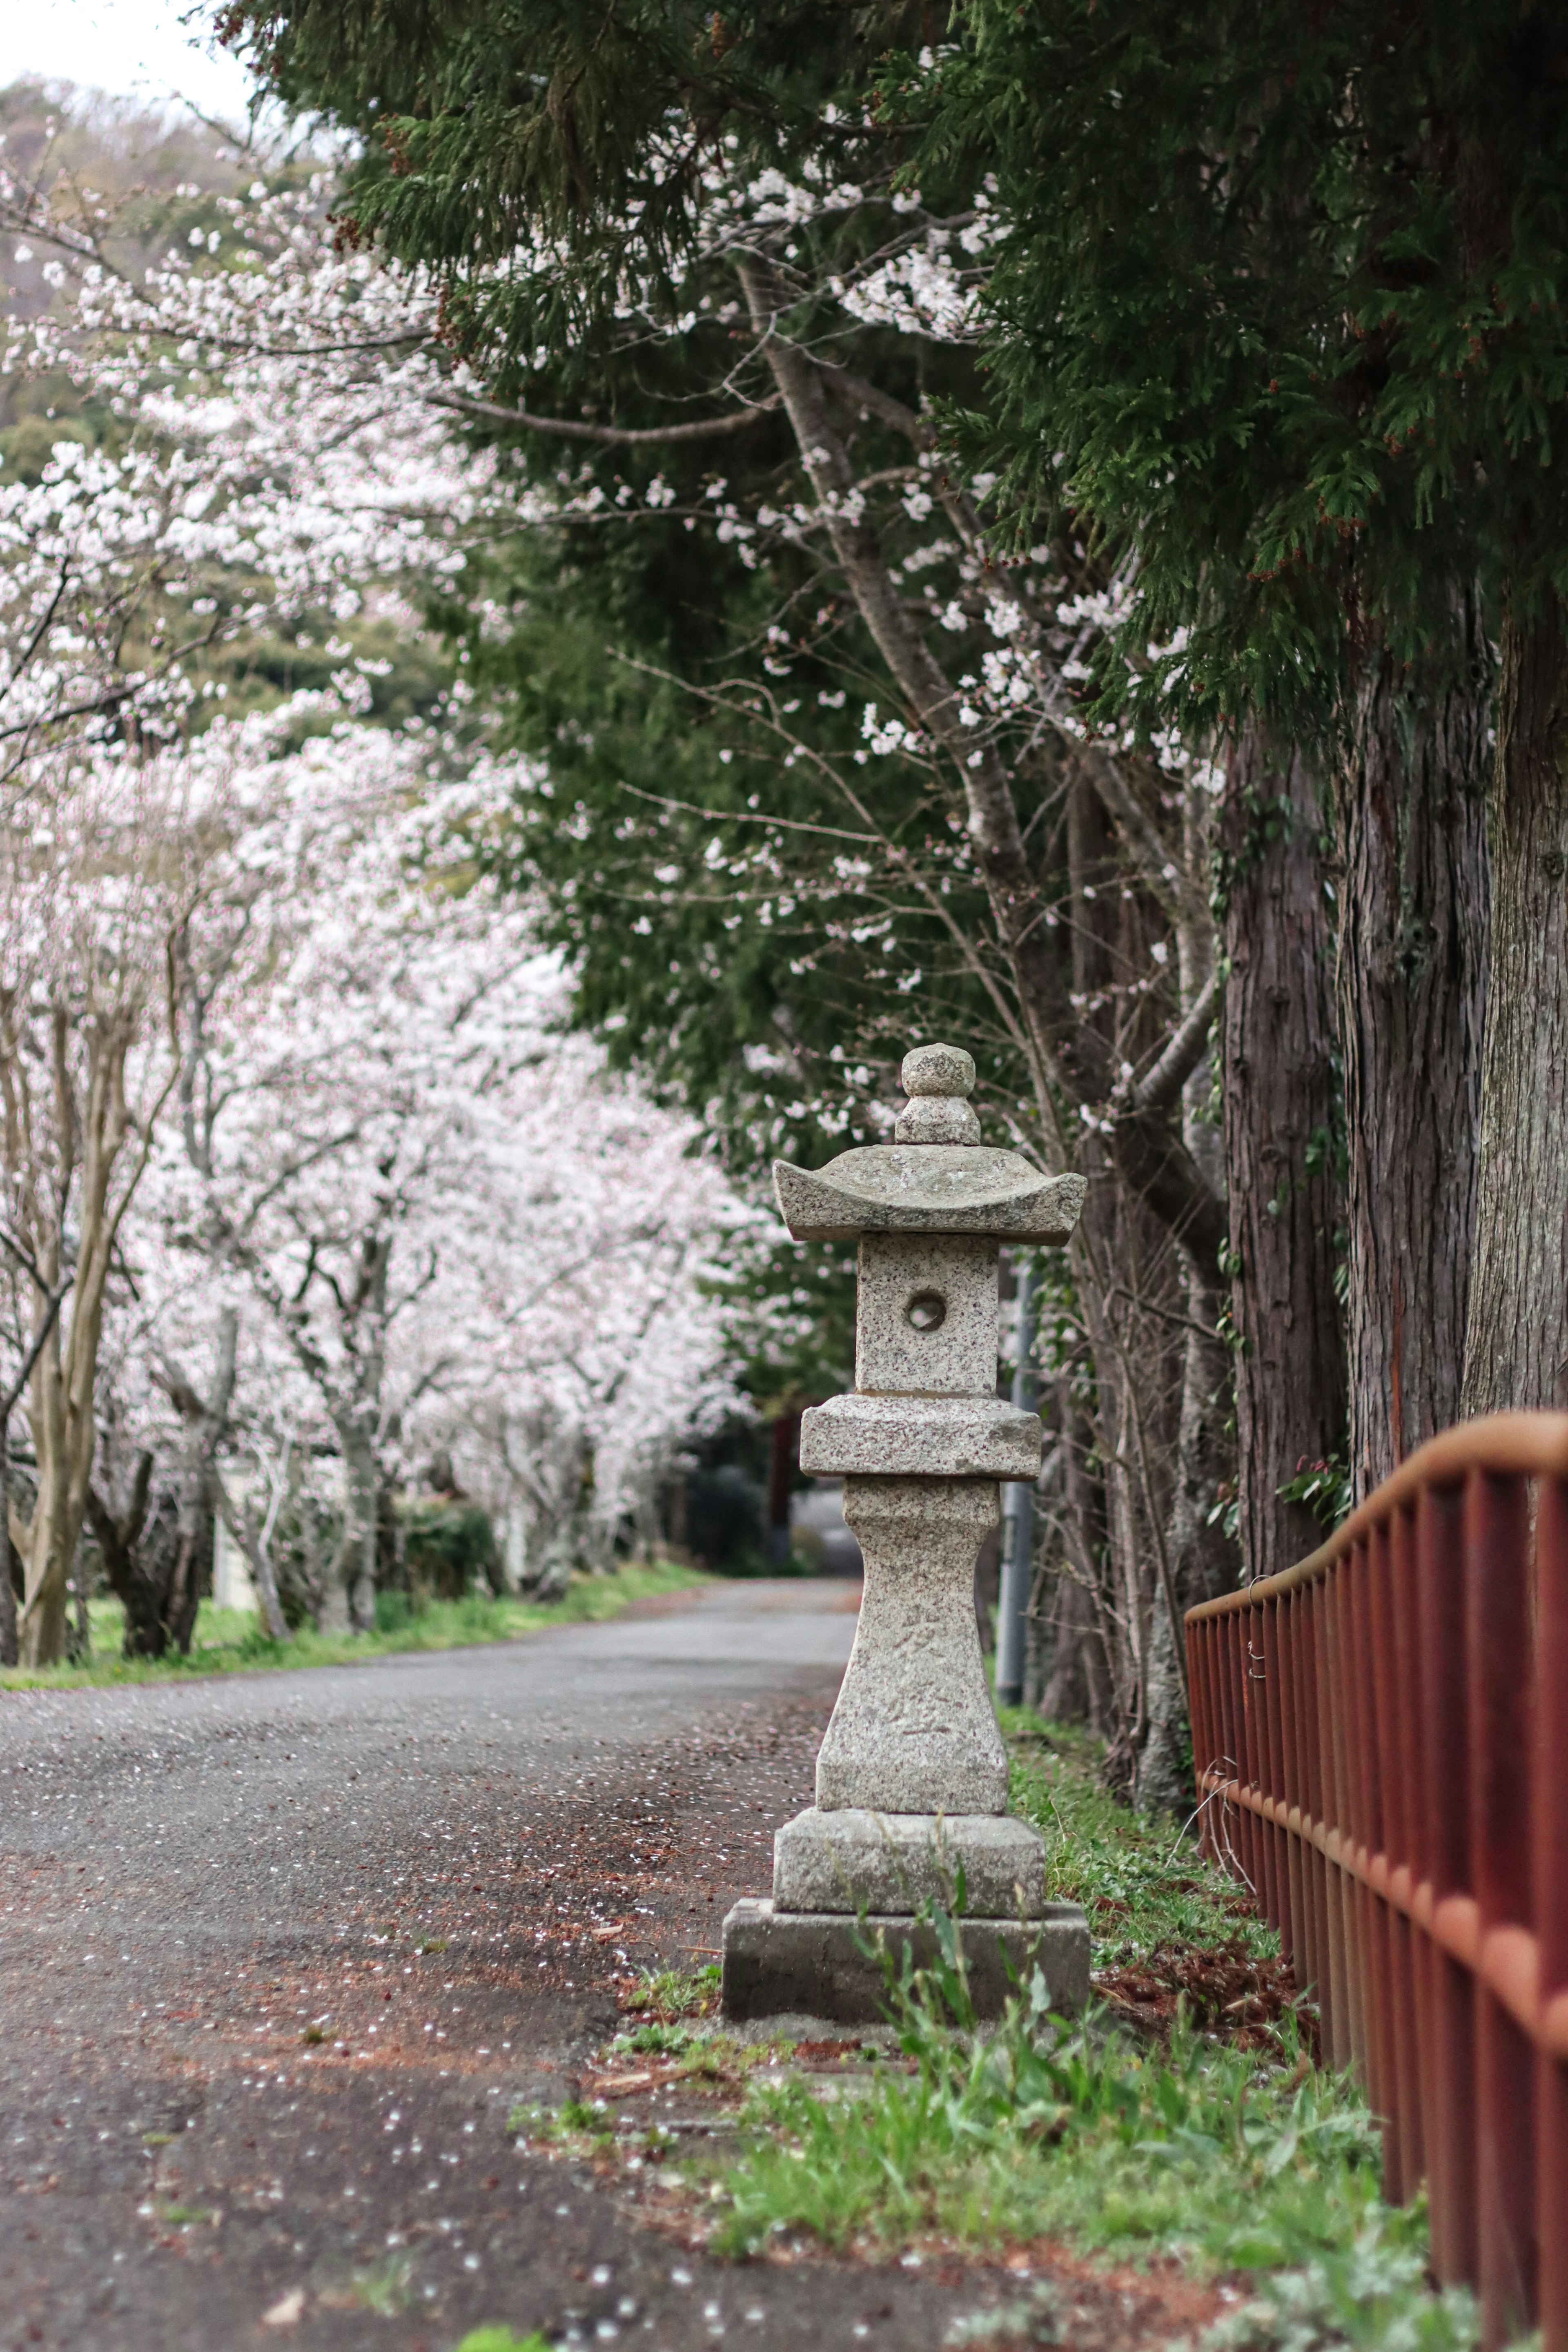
928, 1188
936, 1178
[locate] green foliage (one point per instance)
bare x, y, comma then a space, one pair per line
1280, 299
384, 2289
501, 2339
664, 1996
709, 846
699, 849
1371, 2292
1138, 1879
28, 445
1326, 1487
1037, 2130
487, 126
791, 1321
449, 1545
657, 2041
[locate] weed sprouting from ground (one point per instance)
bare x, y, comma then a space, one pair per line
1039, 2129
1170, 1931
1138, 1875
657, 2041
385, 2289
1372, 2294
666, 1996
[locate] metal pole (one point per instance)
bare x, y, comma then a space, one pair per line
1017, 1516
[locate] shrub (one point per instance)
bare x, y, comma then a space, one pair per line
448, 1545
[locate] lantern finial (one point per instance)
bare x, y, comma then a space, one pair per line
938, 1079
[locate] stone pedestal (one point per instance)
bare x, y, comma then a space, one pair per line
780, 1963
896, 1862
911, 1779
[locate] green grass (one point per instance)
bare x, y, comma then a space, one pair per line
1138, 1876
385, 2289
1243, 2162
667, 1995
501, 2339
230, 1641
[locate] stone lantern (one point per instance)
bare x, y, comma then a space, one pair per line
911, 1779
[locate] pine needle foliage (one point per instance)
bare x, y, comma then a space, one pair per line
487, 126
1280, 310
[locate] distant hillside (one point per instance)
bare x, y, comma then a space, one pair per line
155, 164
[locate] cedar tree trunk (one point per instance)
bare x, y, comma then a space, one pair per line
1412, 973
1516, 1351
1279, 1119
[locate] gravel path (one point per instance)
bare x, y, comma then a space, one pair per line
195, 1878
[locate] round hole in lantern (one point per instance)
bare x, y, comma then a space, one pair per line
926, 1310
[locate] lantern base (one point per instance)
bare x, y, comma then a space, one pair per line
853, 1860
810, 1963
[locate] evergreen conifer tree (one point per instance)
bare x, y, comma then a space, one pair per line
1280, 309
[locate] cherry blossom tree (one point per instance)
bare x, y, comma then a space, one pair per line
97, 883
443, 1214
403, 1195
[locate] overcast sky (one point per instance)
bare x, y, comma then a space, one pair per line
130, 48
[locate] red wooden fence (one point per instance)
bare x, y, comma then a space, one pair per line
1381, 1735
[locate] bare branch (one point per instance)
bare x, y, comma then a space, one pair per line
611, 437
1159, 1086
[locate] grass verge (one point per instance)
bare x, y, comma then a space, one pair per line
229, 1641
1183, 2123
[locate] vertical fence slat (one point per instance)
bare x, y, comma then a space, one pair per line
1273, 1724
1348, 1805
1444, 1796
1287, 1625
1369, 1953
1336, 2013
1549, 1775
1312, 1599
1413, 2020
1230, 1731
1497, 1631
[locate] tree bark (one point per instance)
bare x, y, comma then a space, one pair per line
120, 1546
1280, 1116
95, 1124
1201, 1555
349, 1604
158, 1554
1516, 1351
1412, 987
